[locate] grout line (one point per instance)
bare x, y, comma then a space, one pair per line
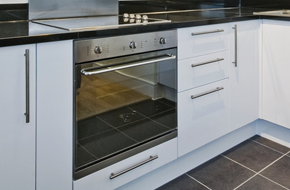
267, 146
239, 163
87, 150
118, 129
273, 162
95, 134
273, 181
198, 181
127, 135
258, 173
146, 117
246, 181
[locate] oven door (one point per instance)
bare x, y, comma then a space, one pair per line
123, 106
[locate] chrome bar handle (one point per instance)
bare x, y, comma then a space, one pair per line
91, 71
208, 92
207, 32
236, 45
27, 113
113, 175
204, 63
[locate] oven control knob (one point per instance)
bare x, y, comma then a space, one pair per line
162, 40
98, 49
133, 45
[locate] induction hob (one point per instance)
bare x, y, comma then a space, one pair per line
100, 22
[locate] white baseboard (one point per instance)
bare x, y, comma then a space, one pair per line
273, 132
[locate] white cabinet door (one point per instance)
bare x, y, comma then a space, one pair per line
244, 86
275, 72
54, 115
203, 117
17, 138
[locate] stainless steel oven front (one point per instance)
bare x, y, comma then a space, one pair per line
125, 97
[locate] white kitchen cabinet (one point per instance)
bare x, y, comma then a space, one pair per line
17, 135
202, 70
54, 116
275, 72
203, 115
202, 40
244, 74
166, 153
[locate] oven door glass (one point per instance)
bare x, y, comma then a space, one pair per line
123, 103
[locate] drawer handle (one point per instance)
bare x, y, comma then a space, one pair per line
204, 63
208, 92
113, 175
27, 113
207, 32
236, 45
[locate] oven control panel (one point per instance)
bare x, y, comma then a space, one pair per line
102, 48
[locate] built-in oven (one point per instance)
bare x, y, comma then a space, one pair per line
125, 97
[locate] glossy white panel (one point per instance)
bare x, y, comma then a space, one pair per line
17, 138
190, 77
275, 72
191, 46
54, 115
202, 119
244, 86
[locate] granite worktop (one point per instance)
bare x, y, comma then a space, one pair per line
16, 29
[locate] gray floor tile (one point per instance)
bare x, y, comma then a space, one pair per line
279, 172
270, 144
182, 183
252, 155
221, 173
260, 183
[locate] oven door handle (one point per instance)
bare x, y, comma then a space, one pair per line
92, 71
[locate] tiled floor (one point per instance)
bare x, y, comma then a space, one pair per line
255, 164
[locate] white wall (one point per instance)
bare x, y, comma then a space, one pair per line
13, 1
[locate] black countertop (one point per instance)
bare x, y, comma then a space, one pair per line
17, 30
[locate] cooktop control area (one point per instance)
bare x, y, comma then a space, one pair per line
101, 48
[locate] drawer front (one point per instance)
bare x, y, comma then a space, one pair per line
204, 118
166, 153
202, 40
202, 70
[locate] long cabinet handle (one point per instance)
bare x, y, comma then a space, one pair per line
27, 113
208, 92
204, 63
236, 45
113, 175
94, 71
206, 32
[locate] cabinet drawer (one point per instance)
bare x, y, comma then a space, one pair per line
195, 41
203, 118
166, 153
202, 70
